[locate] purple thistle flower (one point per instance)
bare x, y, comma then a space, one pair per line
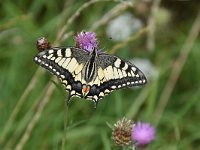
143, 133
86, 41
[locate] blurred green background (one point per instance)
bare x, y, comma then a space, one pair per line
162, 35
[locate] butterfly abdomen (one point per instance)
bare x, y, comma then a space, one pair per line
90, 68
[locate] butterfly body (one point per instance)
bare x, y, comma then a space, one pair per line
89, 75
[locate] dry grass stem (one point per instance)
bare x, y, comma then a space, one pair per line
25, 120
111, 14
77, 13
152, 26
129, 39
65, 126
67, 35
177, 68
20, 102
42, 103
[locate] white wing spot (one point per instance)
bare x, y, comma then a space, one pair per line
107, 91
129, 74
133, 68
50, 51
132, 74
62, 76
117, 63
57, 59
65, 82
73, 92
52, 58
113, 87
68, 52
101, 94
59, 53
68, 87
49, 57
125, 67
58, 73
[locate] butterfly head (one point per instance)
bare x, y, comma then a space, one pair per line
85, 90
93, 52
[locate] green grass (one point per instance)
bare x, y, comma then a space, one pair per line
23, 22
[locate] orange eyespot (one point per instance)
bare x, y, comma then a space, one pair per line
85, 89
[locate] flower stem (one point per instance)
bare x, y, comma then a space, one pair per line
65, 124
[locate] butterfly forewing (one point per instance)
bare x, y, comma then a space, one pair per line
66, 63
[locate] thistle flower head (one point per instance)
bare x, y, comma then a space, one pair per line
86, 41
121, 134
143, 133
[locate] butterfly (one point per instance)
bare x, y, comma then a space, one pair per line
89, 75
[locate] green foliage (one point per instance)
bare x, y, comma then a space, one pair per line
23, 22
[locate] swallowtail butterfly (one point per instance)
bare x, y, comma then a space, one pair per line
89, 75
